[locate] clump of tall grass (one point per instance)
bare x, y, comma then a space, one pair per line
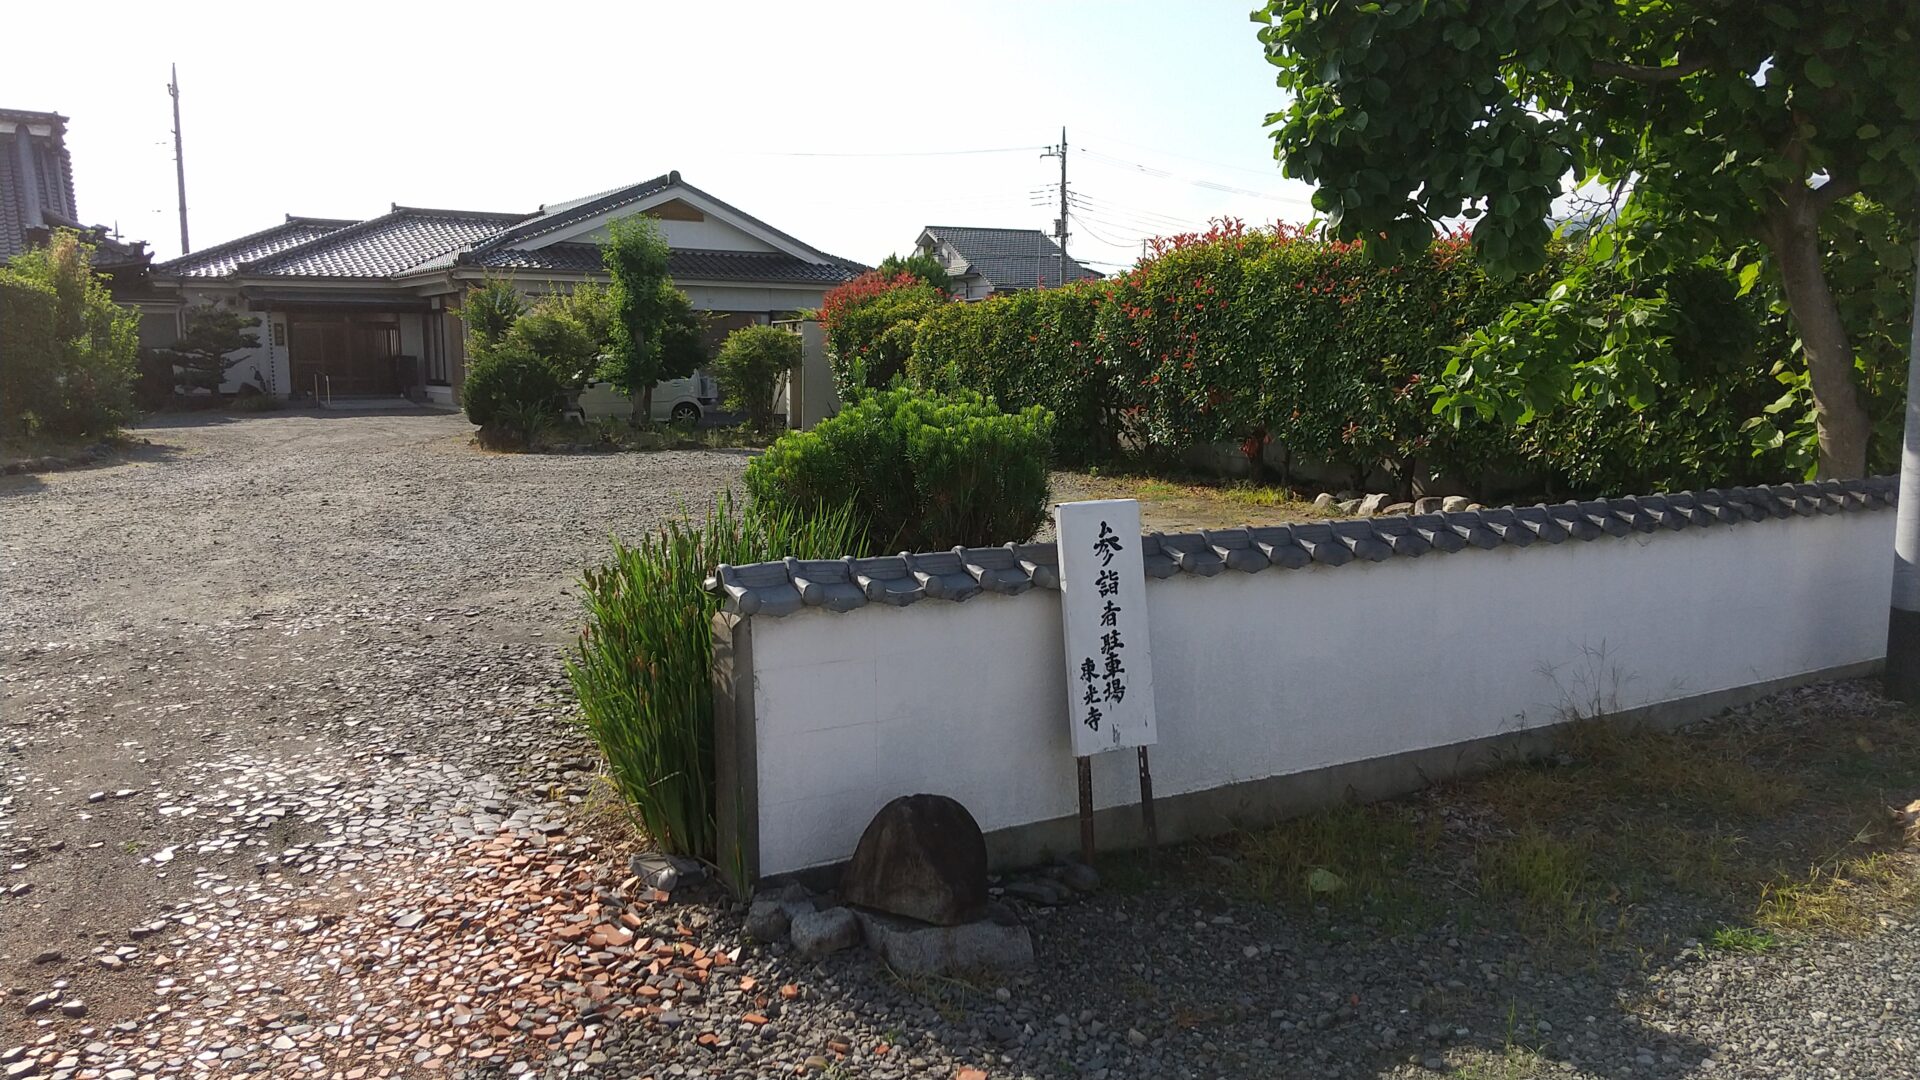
642, 668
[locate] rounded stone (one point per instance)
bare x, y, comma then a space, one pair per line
923, 857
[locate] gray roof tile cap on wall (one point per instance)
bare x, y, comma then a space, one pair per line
782, 588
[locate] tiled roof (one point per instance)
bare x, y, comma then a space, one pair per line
684, 265
52, 169
1010, 258
382, 246
221, 259
781, 588
561, 215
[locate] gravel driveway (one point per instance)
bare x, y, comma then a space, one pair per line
286, 788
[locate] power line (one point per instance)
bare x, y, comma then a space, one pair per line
898, 153
1190, 157
1165, 174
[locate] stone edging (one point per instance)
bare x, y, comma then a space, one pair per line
787, 586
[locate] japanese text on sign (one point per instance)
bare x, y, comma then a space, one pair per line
1103, 603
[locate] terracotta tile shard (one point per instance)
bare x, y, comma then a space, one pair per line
970, 1074
789, 992
754, 1018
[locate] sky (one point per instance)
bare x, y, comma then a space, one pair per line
849, 125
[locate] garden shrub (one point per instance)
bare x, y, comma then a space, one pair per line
507, 384
67, 351
642, 669
749, 366
1277, 338
869, 324
1026, 348
925, 471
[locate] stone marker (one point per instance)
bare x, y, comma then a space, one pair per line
922, 856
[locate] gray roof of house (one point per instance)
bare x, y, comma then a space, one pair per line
381, 247
222, 259
782, 588
683, 265
1010, 258
410, 239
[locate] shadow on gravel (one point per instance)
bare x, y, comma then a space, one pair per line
193, 418
1576, 916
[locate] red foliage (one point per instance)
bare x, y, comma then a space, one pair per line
861, 289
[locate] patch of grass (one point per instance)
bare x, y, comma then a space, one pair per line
1549, 878
1349, 856
1741, 939
1772, 821
1184, 502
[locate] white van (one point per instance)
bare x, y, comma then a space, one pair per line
680, 401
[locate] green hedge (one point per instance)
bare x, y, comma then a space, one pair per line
1307, 351
925, 471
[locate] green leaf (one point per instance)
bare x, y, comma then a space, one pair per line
1749, 274
1820, 73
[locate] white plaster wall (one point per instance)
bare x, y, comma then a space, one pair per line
1291, 670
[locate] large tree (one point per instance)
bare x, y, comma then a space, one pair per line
1725, 122
656, 334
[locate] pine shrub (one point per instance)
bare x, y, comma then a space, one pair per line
925, 471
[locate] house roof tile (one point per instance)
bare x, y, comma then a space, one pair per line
221, 259
1010, 258
683, 265
381, 247
782, 588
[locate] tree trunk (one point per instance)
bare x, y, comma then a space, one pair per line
1793, 237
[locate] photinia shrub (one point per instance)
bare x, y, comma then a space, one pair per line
869, 325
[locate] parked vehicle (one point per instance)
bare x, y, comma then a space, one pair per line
678, 401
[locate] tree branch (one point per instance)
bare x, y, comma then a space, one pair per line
1642, 73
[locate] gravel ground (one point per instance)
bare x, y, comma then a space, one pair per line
286, 788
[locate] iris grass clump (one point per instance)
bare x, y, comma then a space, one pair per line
642, 668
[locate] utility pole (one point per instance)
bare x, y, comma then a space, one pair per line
1060, 223
179, 158
1903, 617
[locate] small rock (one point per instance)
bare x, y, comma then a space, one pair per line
1373, 504
40, 1003
922, 856
49, 956
1136, 1038
73, 1007
767, 921
1079, 877
818, 933
1454, 504
1323, 501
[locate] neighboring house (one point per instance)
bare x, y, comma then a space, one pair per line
36, 196
982, 262
371, 308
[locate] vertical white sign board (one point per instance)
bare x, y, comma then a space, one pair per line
1103, 601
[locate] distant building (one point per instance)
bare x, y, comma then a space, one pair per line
36, 197
372, 308
982, 262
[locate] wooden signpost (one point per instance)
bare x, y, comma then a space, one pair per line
1103, 604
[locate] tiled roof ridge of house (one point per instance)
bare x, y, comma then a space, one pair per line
789, 585
33, 115
692, 264
240, 242
372, 224
549, 220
